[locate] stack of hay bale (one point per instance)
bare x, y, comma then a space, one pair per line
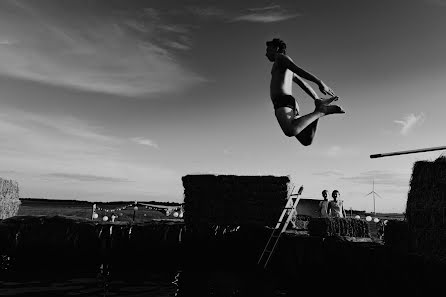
324, 227
234, 200
426, 208
9, 198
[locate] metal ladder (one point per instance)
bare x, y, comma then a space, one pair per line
281, 226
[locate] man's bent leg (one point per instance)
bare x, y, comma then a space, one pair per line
307, 135
293, 126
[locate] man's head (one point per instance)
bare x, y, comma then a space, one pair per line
335, 194
274, 47
325, 194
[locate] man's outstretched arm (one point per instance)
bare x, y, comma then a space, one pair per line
304, 86
289, 64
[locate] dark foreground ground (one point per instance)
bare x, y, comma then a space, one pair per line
219, 262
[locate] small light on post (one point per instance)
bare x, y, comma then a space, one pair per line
134, 212
93, 212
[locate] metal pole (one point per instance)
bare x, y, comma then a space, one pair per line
93, 211
374, 211
438, 148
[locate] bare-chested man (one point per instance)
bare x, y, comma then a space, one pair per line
283, 73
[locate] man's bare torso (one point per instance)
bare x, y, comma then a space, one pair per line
281, 81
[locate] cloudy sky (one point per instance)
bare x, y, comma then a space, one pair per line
117, 100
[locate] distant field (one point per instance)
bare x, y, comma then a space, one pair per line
373, 227
84, 210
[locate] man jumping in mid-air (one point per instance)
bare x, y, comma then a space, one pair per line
283, 73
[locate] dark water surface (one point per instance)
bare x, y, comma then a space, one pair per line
160, 284
140, 281
102, 281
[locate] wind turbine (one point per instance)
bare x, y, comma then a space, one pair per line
373, 194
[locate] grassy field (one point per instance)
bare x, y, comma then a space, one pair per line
83, 209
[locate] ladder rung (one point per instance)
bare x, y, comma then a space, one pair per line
281, 225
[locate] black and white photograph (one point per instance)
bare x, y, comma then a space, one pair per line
222, 148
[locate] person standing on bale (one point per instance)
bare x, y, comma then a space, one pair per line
283, 73
323, 205
336, 206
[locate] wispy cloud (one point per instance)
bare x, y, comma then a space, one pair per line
82, 157
86, 177
145, 141
6, 42
268, 14
337, 150
227, 151
66, 125
409, 122
268, 8
438, 2
178, 45
329, 173
334, 151
383, 177
208, 12
99, 49
7, 172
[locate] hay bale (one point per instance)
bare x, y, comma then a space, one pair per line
51, 234
338, 226
234, 200
300, 222
9, 198
426, 208
396, 233
60, 236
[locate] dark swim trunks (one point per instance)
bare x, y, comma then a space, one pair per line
284, 101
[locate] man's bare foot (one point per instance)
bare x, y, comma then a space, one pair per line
326, 101
330, 109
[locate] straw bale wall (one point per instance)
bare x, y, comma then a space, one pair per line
234, 200
338, 226
396, 234
426, 208
9, 198
54, 239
